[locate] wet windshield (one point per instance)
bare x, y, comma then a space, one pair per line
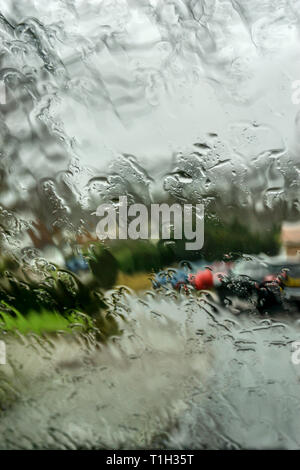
149, 224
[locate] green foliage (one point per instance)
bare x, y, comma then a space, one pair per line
128, 256
60, 291
103, 265
43, 321
55, 301
221, 239
142, 255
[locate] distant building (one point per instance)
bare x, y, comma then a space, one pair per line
290, 238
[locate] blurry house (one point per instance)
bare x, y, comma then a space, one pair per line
290, 238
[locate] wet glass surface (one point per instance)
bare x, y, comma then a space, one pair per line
178, 101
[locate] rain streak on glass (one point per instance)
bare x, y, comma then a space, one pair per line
179, 101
